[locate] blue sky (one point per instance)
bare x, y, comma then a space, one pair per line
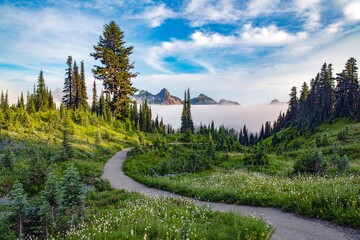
248, 51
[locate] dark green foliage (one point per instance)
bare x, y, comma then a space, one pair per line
186, 118
115, 71
258, 157
69, 85
50, 203
322, 142
72, 197
311, 162
347, 91
67, 149
343, 135
95, 104
19, 206
341, 163
8, 159
102, 185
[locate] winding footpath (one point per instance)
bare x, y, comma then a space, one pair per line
287, 226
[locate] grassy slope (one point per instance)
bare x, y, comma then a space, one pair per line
335, 198
94, 142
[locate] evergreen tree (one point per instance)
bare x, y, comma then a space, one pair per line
135, 115
30, 104
72, 196
76, 79
41, 98
18, 207
116, 70
51, 102
186, 118
67, 149
8, 159
22, 102
94, 106
347, 91
293, 106
190, 122
50, 202
82, 88
68, 90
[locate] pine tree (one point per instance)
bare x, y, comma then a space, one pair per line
18, 206
190, 123
135, 115
116, 70
67, 149
72, 196
82, 88
347, 91
30, 104
50, 201
94, 105
76, 85
8, 159
187, 123
41, 98
22, 102
293, 106
68, 90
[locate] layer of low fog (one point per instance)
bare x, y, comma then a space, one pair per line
230, 116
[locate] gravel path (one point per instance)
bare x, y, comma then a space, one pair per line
287, 225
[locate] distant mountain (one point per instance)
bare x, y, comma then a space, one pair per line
57, 95
276, 102
227, 102
202, 100
163, 97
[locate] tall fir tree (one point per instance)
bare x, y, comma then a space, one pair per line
68, 90
95, 104
76, 86
115, 71
18, 207
72, 196
82, 88
41, 98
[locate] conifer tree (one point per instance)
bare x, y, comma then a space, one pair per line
41, 98
94, 105
187, 123
67, 149
76, 79
50, 200
8, 159
115, 71
68, 90
30, 104
72, 196
18, 206
82, 88
22, 102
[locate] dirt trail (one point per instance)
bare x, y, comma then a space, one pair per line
288, 226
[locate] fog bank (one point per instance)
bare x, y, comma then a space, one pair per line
230, 116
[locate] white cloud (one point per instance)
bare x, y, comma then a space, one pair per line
310, 9
200, 12
156, 15
258, 7
270, 35
202, 45
352, 10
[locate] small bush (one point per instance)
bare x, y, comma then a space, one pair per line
102, 185
259, 157
311, 163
